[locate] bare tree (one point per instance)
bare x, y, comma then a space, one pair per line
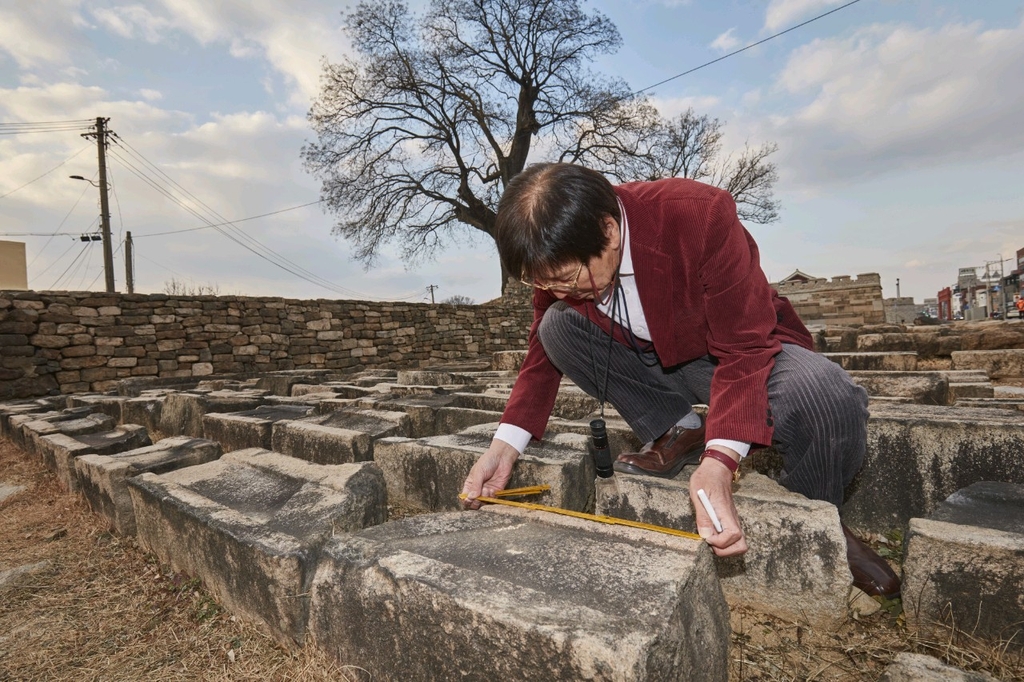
459, 299
690, 146
179, 287
419, 133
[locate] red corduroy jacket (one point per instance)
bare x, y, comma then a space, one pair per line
703, 292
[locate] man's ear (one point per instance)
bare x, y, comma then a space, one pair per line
612, 231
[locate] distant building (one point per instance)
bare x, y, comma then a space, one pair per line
840, 301
13, 272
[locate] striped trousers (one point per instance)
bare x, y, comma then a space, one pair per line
820, 415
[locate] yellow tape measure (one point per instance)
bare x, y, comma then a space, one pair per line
611, 520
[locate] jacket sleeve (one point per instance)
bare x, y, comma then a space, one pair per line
741, 317
533, 395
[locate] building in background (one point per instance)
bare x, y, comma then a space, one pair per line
843, 300
13, 271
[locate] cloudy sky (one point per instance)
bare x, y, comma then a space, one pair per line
899, 125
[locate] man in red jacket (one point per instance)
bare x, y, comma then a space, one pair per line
651, 296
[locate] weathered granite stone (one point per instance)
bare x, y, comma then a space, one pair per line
104, 478
33, 431
60, 451
252, 428
926, 388
509, 360
12, 576
999, 364
965, 564
251, 525
920, 668
520, 596
429, 473
917, 455
338, 437
8, 491
144, 410
885, 362
110, 405
796, 545
182, 413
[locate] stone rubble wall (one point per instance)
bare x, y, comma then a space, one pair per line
71, 342
844, 300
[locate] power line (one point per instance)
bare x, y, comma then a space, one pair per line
57, 231
232, 232
75, 260
744, 49
232, 222
46, 173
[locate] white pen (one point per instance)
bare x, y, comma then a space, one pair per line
709, 509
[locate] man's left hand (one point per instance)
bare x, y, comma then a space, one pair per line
716, 481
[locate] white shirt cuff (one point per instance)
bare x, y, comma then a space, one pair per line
739, 446
515, 436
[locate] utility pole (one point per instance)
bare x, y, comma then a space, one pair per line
129, 262
431, 288
101, 152
897, 287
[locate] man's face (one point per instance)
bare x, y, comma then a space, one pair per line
592, 280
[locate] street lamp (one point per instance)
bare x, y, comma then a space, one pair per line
108, 251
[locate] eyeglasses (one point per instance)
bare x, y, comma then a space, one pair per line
556, 288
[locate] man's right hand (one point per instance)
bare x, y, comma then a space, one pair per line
490, 473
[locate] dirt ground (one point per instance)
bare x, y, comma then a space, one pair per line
99, 608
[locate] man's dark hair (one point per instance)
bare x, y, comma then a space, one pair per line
551, 214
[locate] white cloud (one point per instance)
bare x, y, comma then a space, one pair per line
726, 41
132, 21
37, 33
781, 13
150, 95
890, 97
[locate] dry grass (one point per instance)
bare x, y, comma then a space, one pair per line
104, 610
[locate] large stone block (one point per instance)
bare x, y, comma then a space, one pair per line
882, 362
25, 407
103, 479
252, 428
509, 360
338, 437
60, 451
920, 668
965, 564
251, 525
918, 455
796, 545
998, 364
110, 405
182, 413
429, 473
926, 388
515, 595
144, 410
71, 422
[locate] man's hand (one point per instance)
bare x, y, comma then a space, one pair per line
716, 481
490, 473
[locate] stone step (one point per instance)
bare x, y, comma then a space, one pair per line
251, 525
508, 594
251, 428
182, 413
60, 451
338, 437
1000, 403
111, 405
918, 455
885, 362
795, 567
965, 564
508, 360
16, 421
926, 388
428, 473
103, 479
71, 422
998, 364
970, 390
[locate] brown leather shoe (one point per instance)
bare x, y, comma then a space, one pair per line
870, 572
665, 456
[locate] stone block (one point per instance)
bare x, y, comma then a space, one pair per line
979, 389
22, 407
182, 413
926, 388
60, 451
251, 525
965, 564
70, 422
886, 343
338, 437
796, 545
428, 473
998, 364
103, 479
252, 428
110, 405
145, 411
509, 360
516, 595
879, 362
918, 455
907, 667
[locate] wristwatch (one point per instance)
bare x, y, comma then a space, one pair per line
731, 464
